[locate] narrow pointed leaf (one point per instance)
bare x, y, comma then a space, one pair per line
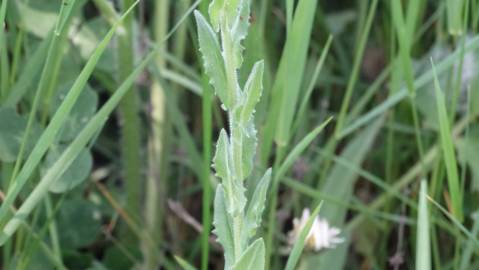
423, 243
448, 150
48, 137
184, 264
300, 243
256, 205
252, 91
71, 153
249, 149
220, 160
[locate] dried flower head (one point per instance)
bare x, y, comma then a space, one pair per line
321, 236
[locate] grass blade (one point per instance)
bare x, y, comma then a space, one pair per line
448, 150
423, 242
71, 152
299, 244
49, 135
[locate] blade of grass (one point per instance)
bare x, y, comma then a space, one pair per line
131, 135
471, 237
3, 51
423, 80
286, 88
279, 173
448, 150
49, 135
47, 78
356, 66
312, 84
300, 243
423, 243
184, 264
455, 12
71, 152
469, 246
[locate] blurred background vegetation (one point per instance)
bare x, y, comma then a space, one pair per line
139, 192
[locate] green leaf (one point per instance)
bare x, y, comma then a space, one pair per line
423, 243
468, 150
223, 228
223, 165
339, 185
222, 155
216, 12
448, 150
184, 264
213, 60
240, 30
78, 171
299, 244
256, 206
49, 135
252, 92
72, 151
78, 225
299, 148
83, 110
38, 17
253, 258
249, 148
12, 128
223, 10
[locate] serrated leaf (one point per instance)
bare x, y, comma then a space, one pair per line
74, 175
222, 224
215, 10
256, 206
240, 30
253, 258
223, 165
249, 148
220, 160
213, 60
222, 9
252, 91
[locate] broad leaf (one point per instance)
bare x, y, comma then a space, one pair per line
78, 171
83, 110
253, 258
78, 224
12, 131
213, 60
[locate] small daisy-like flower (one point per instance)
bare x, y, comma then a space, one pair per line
321, 236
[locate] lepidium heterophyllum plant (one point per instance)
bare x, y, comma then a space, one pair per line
235, 217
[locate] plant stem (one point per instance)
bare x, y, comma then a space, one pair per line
130, 120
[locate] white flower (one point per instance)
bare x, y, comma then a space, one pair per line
321, 236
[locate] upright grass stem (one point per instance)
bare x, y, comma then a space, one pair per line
130, 119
